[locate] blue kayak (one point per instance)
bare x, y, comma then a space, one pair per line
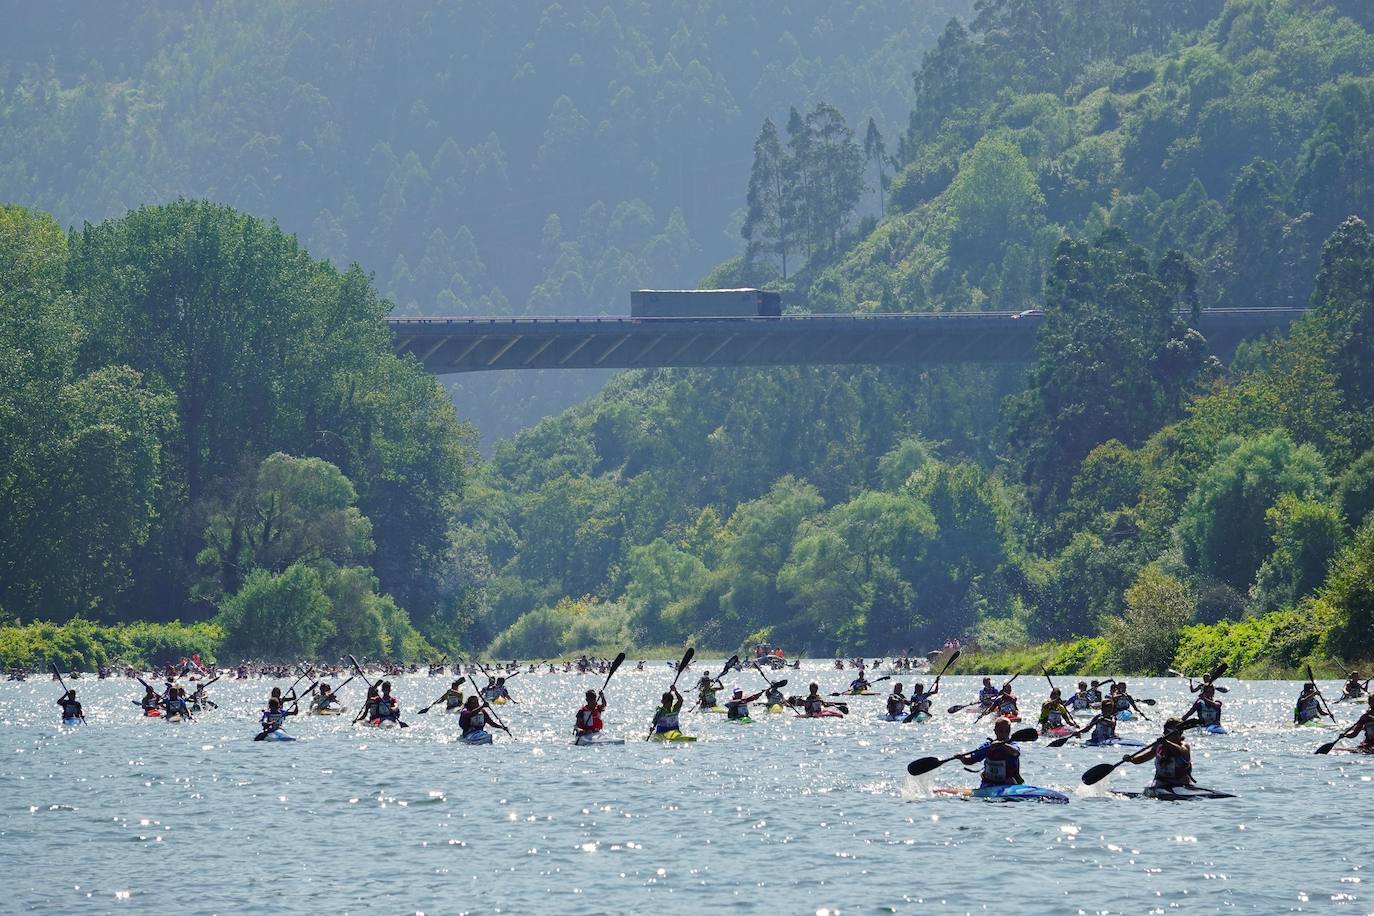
1114, 742
1124, 715
1215, 730
477, 737
1021, 793
71, 721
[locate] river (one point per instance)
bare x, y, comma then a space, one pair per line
785, 816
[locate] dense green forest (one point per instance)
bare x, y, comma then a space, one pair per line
206, 421
478, 157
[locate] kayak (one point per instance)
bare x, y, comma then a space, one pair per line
861, 693
380, 723
1177, 793
75, 721
775, 708
500, 701
1311, 723
1214, 730
1125, 715
742, 720
477, 737
1352, 749
895, 717
152, 713
277, 735
672, 736
1008, 793
827, 714
328, 711
1056, 732
1114, 742
176, 717
589, 740
719, 709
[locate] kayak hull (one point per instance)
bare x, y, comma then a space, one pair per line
478, 737
1058, 732
329, 711
1214, 730
673, 737
1178, 793
775, 708
595, 740
1365, 749
1008, 794
278, 735
742, 720
1115, 742
75, 721
1125, 716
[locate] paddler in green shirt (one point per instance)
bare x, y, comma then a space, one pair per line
666, 716
706, 691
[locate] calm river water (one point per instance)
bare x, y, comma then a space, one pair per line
784, 816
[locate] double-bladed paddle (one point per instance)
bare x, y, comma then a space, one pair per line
924, 765
1096, 774
457, 683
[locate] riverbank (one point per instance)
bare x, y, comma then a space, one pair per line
1280, 645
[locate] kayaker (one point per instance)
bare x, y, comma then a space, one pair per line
1054, 715
1207, 707
453, 697
1095, 693
859, 684
388, 708
1000, 758
1081, 700
1102, 725
666, 716
489, 692
1005, 705
324, 699
1124, 702
920, 700
501, 692
1309, 707
987, 694
706, 691
1364, 723
737, 707
814, 704
1354, 687
201, 700
1199, 685
71, 709
589, 716
1172, 756
274, 715
151, 701
896, 701
370, 703
773, 695
473, 719
175, 703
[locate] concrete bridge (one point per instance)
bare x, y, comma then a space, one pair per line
449, 345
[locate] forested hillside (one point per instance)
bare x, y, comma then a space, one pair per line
478, 157
1164, 157
201, 419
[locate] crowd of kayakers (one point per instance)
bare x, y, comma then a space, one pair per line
1094, 708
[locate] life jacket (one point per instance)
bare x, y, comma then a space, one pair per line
1006, 705
1080, 700
896, 703
472, 720
272, 720
1001, 765
736, 709
150, 702
71, 709
1172, 769
774, 696
387, 708
988, 695
920, 702
589, 719
453, 699
1050, 715
1123, 702
1209, 711
706, 697
1369, 732
1104, 728
1094, 696
814, 705
666, 721
1309, 708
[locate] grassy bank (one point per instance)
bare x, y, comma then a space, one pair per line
1278, 645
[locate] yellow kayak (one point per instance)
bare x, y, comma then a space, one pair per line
776, 707
500, 701
329, 711
673, 735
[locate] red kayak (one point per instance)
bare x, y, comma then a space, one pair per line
153, 713
827, 714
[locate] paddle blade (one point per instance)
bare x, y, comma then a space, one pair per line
954, 657
955, 708
923, 765
1325, 748
780, 684
1060, 742
1025, 734
1097, 774
686, 658
734, 660
615, 666
1148, 702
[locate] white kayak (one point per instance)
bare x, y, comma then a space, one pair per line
590, 740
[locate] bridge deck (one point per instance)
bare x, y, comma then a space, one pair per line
448, 345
